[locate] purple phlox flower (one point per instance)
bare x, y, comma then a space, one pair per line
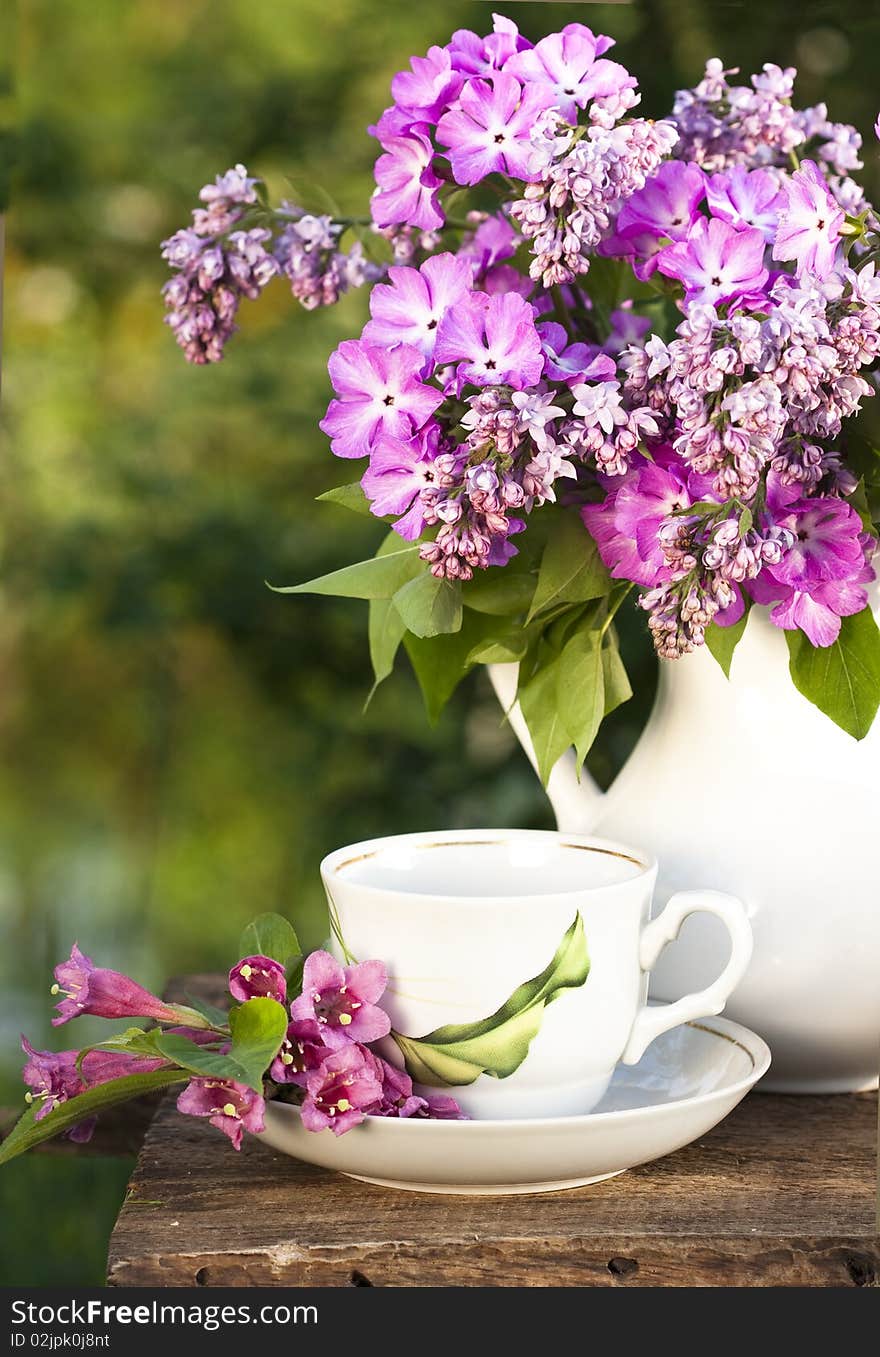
617, 550
567, 362
406, 185
379, 394
339, 1091
230, 1106
398, 472
645, 501
669, 202
716, 263
809, 224
302, 1051
490, 128
411, 306
667, 206
568, 64
343, 1000
474, 55
429, 87
255, 976
745, 197
877, 127
628, 328
494, 341
88, 988
535, 410
816, 610
827, 543
493, 241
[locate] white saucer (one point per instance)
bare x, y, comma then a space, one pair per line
686, 1082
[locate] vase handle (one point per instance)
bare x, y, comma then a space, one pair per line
650, 1022
576, 801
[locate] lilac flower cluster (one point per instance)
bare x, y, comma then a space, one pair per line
235, 247
215, 266
487, 382
324, 1056
307, 253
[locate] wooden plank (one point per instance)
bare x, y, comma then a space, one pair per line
781, 1194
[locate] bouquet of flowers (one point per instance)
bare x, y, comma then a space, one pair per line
300, 1029
605, 354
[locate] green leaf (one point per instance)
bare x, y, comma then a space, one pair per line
843, 679
258, 1028
538, 698
430, 607
614, 675
460, 1052
441, 662
380, 577
29, 1132
386, 631
217, 1017
348, 496
723, 641
501, 591
269, 935
507, 649
571, 570
581, 689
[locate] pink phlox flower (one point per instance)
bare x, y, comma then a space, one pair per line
398, 473
380, 394
717, 263
410, 307
745, 197
406, 185
489, 129
474, 55
493, 340
810, 224
570, 65
429, 87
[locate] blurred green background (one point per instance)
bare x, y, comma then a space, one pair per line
178, 746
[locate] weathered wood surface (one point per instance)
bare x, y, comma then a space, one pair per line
781, 1194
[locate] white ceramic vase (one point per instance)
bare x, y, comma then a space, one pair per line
744, 786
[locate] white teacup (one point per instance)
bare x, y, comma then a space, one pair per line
464, 920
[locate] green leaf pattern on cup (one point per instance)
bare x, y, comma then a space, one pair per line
460, 1052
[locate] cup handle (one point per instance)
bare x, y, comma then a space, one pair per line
650, 1022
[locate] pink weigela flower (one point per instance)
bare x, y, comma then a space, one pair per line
339, 1091
88, 988
230, 1106
258, 976
342, 1000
